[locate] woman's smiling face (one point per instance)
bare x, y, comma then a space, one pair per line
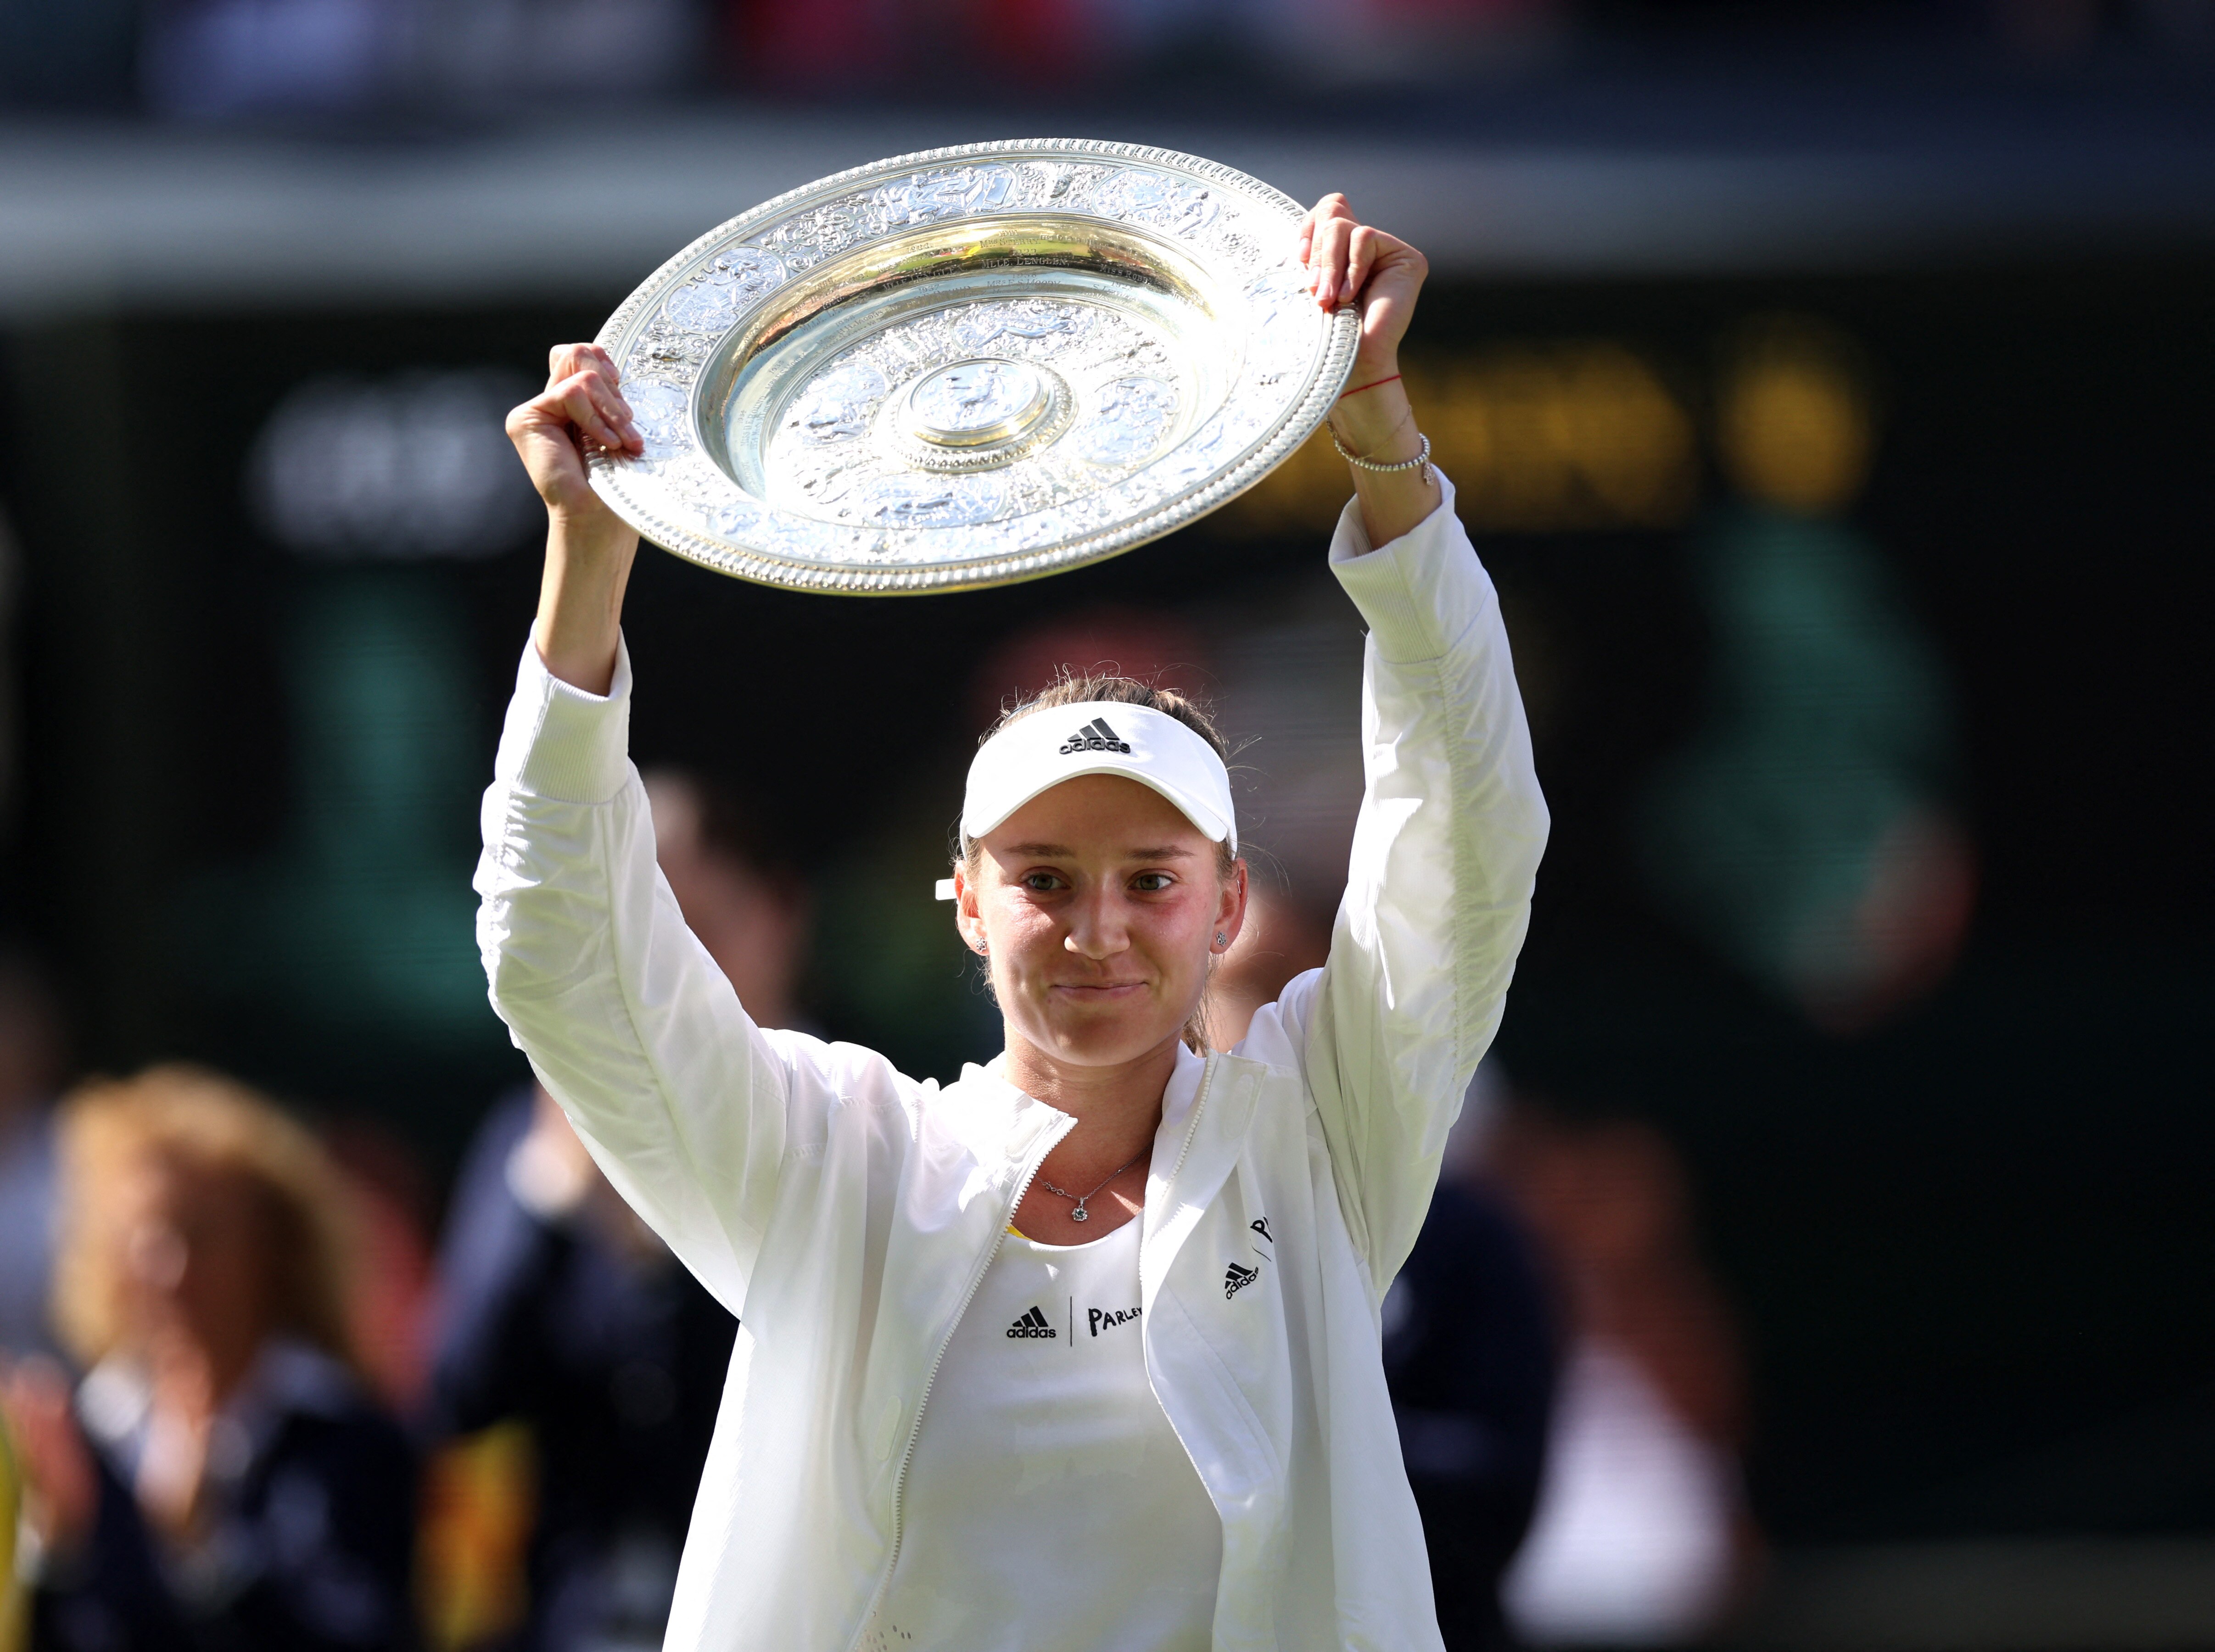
1097, 904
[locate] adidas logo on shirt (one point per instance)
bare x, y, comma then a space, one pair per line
1235, 1280
1033, 1324
1096, 736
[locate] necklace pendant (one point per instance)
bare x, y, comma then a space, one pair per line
1078, 1214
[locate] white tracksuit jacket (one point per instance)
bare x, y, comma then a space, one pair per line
846, 1212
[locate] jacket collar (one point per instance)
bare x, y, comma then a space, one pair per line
1000, 1126
1206, 1109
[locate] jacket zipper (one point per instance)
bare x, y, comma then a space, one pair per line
915, 1425
1192, 1130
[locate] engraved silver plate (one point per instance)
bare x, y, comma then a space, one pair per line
969, 366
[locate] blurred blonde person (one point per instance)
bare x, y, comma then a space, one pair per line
222, 1476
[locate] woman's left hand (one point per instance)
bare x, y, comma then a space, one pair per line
1350, 262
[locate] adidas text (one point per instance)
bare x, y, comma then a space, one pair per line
1033, 1324
1236, 1279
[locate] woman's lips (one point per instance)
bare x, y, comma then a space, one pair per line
1099, 992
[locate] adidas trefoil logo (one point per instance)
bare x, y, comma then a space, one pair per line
1096, 736
1235, 1280
1033, 1324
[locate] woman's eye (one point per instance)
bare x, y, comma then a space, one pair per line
1152, 883
1039, 882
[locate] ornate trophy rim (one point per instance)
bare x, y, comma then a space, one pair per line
679, 496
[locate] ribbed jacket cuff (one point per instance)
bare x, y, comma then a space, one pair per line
1418, 592
561, 742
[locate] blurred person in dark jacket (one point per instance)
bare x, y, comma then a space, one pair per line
221, 1479
1642, 1536
563, 1310
1468, 1334
1470, 1355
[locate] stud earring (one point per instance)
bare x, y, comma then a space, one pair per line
1222, 940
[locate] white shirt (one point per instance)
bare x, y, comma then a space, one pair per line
1050, 1506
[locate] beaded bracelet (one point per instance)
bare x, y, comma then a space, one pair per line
1421, 461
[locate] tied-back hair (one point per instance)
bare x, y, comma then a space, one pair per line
1072, 687
203, 1120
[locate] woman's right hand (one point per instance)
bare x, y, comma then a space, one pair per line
580, 410
589, 549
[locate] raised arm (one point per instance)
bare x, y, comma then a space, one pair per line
1352, 263
1452, 824
589, 549
681, 1099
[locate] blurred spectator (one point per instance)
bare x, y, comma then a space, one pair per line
31, 1064
214, 58
1468, 1355
1164, 650
1640, 1536
480, 53
824, 46
389, 1307
1468, 1339
563, 1311
1805, 832
1406, 40
224, 1478
739, 892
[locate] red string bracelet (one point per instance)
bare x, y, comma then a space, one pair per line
1371, 385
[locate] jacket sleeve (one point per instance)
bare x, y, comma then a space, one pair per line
681, 1099
1438, 896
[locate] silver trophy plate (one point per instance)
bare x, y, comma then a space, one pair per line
969, 366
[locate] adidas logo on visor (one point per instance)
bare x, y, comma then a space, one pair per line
1033, 1324
1096, 736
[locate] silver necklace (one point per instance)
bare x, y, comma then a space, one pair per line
1080, 1213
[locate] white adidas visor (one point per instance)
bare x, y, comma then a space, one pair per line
1097, 737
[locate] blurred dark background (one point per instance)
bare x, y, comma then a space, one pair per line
270, 269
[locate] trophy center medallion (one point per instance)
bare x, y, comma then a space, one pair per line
982, 403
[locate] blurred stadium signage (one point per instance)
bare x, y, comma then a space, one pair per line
407, 467
1538, 438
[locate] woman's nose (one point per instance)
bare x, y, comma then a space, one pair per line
1096, 929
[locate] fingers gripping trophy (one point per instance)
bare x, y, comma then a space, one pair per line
1076, 1351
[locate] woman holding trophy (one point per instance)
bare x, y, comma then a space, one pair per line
1079, 1352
